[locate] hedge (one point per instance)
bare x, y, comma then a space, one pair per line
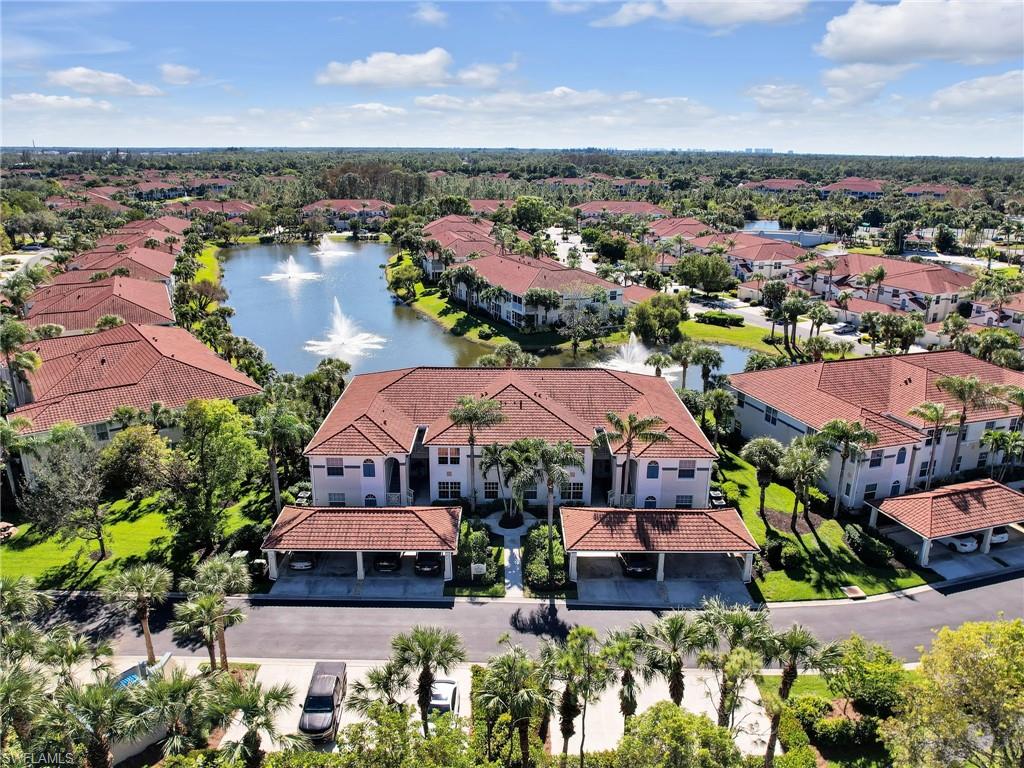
475, 547
791, 734
535, 559
802, 757
869, 549
809, 709
717, 317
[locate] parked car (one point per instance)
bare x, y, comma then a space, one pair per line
844, 330
387, 562
962, 544
321, 710
444, 697
636, 565
999, 535
301, 561
428, 563
32, 247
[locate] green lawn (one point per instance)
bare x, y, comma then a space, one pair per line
828, 564
1010, 271
209, 267
746, 336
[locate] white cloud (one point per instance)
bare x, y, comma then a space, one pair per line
994, 93
480, 75
860, 83
377, 109
430, 13
388, 69
708, 13
178, 74
558, 6
92, 81
969, 31
41, 101
779, 97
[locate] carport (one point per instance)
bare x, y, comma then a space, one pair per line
327, 530
661, 532
954, 510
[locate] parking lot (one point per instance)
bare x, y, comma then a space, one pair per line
957, 565
334, 575
688, 580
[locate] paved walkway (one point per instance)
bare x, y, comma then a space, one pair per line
513, 557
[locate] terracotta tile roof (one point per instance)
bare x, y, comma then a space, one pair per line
923, 277
78, 306
880, 390
776, 250
369, 529
347, 206
776, 185
227, 207
622, 208
731, 240
670, 227
84, 378
634, 294
934, 189
171, 224
596, 529
380, 412
518, 274
855, 184
141, 263
957, 509
138, 238
489, 206
860, 306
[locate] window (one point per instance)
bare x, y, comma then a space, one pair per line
982, 459
335, 467
959, 461
901, 455
876, 459
771, 415
684, 501
490, 489
923, 471
530, 493
449, 490
572, 492
369, 468
895, 293
370, 500
448, 456
741, 399
336, 499
687, 469
650, 502
102, 432
870, 490
847, 491
990, 425
895, 489
652, 470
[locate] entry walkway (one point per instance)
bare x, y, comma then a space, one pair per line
513, 556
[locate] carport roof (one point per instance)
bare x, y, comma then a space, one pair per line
367, 529
602, 529
956, 509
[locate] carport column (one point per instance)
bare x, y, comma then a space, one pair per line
748, 566
359, 566
272, 564
873, 520
661, 566
986, 542
926, 548
447, 566
572, 566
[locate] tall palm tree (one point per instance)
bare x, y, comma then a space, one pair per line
624, 653
764, 454
971, 393
14, 334
276, 426
551, 463
491, 458
851, 438
843, 302
998, 443
708, 358
1013, 395
425, 651
627, 433
14, 441
795, 650
92, 716
20, 601
666, 646
938, 418
558, 666
205, 617
386, 684
804, 467
159, 416
474, 414
878, 273
64, 650
257, 710
136, 590
218, 577
23, 696
721, 403
175, 701
658, 360
682, 353
592, 672
513, 690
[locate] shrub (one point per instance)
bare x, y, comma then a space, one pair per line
773, 340
835, 732
869, 549
475, 547
773, 550
732, 494
792, 558
535, 559
803, 757
717, 317
609, 758
485, 334
810, 709
304, 760
791, 734
818, 499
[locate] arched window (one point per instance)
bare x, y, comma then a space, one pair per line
652, 470
650, 502
895, 490
901, 455
369, 468
370, 500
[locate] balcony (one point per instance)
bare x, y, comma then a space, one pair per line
399, 499
621, 501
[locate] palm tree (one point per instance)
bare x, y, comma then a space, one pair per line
23, 696
551, 463
622, 648
218, 577
658, 360
278, 425
91, 715
20, 601
998, 442
721, 404
764, 454
158, 416
557, 665
14, 334
804, 467
386, 684
426, 651
708, 358
491, 458
843, 302
682, 353
64, 650
829, 263
938, 418
14, 441
257, 710
474, 414
627, 434
176, 702
136, 590
970, 392
878, 274
512, 689
1013, 395
591, 670
796, 650
851, 438
206, 616
666, 646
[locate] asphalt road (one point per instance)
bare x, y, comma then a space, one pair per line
365, 631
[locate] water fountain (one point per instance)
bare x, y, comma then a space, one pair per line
292, 272
345, 339
329, 248
631, 358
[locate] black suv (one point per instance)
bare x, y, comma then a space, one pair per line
321, 711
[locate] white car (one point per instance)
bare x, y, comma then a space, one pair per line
999, 536
961, 544
444, 697
301, 562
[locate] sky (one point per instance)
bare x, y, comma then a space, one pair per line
942, 77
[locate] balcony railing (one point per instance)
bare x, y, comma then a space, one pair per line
622, 501
400, 499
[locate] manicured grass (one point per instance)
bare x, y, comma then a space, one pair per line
1010, 271
209, 267
746, 336
828, 564
871, 250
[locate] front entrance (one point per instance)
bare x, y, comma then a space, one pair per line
419, 479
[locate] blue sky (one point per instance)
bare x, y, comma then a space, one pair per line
924, 77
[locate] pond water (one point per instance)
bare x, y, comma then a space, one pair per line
304, 302
762, 225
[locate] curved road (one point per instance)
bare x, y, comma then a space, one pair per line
364, 631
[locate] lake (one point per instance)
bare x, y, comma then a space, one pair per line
303, 302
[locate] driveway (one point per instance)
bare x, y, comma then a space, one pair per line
688, 580
334, 576
954, 565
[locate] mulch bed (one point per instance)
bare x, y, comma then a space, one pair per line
782, 521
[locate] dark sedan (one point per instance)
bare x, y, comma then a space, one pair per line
636, 565
387, 562
428, 563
